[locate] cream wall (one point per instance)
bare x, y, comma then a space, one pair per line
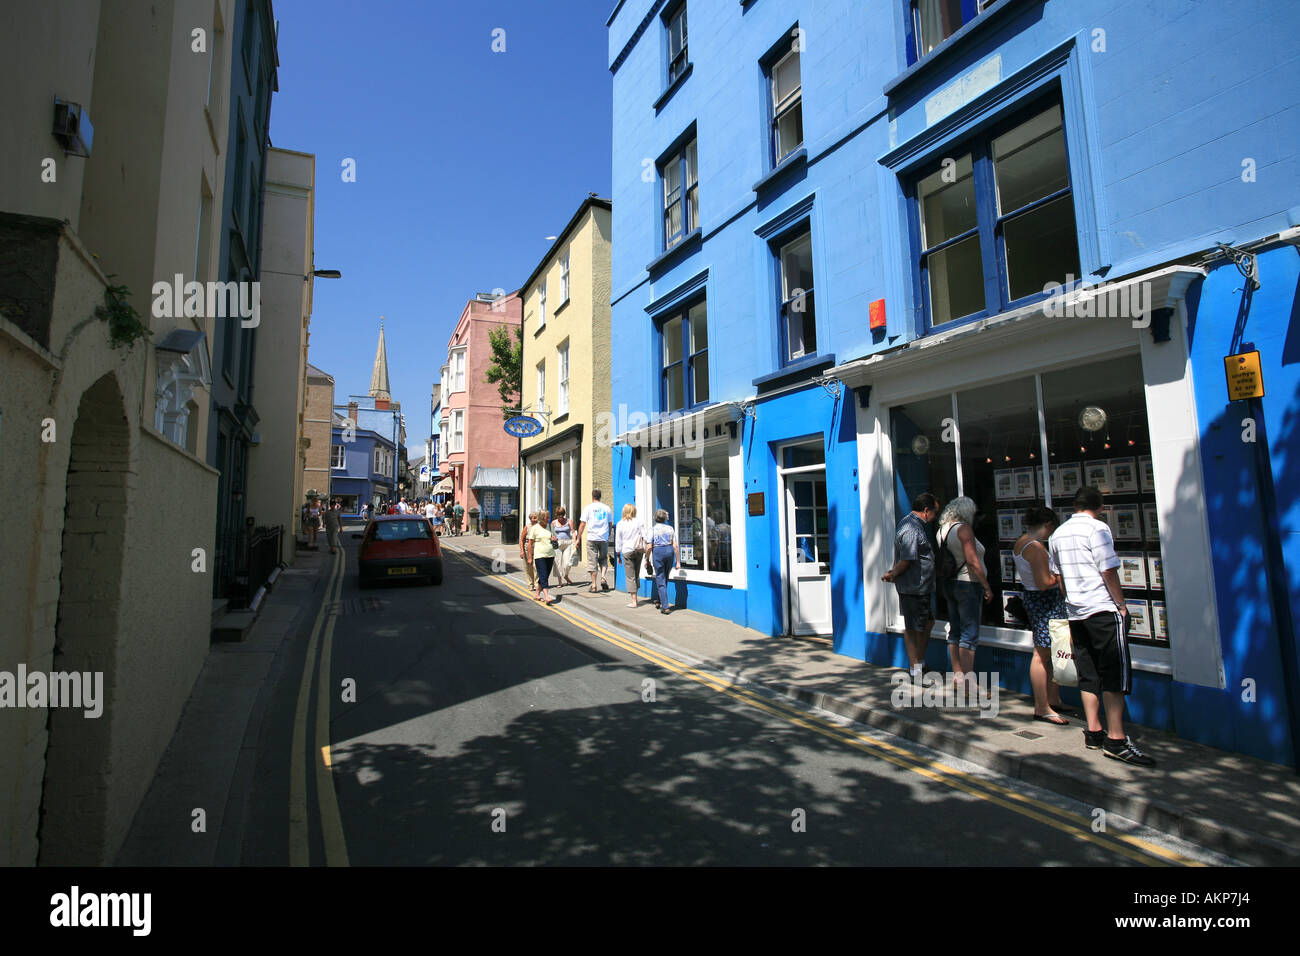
127, 532
275, 465
584, 321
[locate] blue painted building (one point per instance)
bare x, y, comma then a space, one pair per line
866, 250
368, 443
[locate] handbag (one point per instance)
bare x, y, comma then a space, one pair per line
1063, 669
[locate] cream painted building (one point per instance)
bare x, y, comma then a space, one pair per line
277, 461
106, 568
566, 365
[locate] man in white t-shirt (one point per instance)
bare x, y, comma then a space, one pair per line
597, 521
1083, 554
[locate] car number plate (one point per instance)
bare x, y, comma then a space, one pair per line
401, 570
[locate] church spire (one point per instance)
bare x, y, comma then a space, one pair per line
379, 377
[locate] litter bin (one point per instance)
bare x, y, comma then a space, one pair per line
474, 527
510, 528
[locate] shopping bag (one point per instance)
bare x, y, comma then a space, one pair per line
1063, 671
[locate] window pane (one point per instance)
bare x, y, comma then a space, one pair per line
936, 21
956, 281
661, 472
700, 369
1030, 162
699, 327
692, 177
717, 506
1042, 247
674, 396
785, 79
692, 208
690, 512
672, 341
947, 207
796, 267
1001, 466
672, 181
789, 132
925, 459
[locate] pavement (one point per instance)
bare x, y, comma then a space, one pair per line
1246, 808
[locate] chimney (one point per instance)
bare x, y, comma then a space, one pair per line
352, 411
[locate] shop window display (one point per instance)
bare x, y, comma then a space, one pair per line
1092, 419
696, 493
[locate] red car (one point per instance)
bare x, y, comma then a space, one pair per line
399, 547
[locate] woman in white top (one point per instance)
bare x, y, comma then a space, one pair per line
629, 546
562, 528
1044, 602
963, 592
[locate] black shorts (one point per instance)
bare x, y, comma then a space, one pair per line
918, 611
1101, 654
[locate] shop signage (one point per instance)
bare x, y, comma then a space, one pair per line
523, 426
756, 503
1244, 377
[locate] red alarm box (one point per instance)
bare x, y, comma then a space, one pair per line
878, 314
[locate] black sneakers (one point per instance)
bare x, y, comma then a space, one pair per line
1127, 751
1093, 739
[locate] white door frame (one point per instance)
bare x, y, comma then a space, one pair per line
783, 517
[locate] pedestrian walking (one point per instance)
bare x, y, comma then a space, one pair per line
1044, 602
541, 553
333, 518
664, 556
596, 522
965, 587
913, 578
530, 572
458, 515
1083, 553
629, 546
313, 520
562, 527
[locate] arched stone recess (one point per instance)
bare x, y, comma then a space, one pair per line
72, 825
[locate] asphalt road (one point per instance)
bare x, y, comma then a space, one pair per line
485, 729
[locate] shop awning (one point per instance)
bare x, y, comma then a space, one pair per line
495, 478
444, 487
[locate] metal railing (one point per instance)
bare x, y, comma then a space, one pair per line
244, 560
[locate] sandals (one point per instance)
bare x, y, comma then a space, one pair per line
1047, 719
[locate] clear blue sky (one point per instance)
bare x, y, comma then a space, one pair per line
466, 160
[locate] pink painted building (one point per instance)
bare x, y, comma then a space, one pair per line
480, 461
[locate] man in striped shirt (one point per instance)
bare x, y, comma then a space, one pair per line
1083, 554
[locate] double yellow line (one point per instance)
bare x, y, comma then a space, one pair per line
336, 851
1071, 824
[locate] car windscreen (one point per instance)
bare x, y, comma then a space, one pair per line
402, 530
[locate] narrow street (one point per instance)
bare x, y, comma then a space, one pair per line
487, 729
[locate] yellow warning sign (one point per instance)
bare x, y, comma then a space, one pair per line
1244, 377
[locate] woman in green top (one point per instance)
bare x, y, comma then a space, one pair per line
541, 552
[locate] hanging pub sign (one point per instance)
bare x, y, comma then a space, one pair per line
1245, 380
523, 426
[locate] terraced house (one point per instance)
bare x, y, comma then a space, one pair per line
566, 365
998, 248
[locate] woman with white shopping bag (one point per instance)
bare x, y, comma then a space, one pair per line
1044, 603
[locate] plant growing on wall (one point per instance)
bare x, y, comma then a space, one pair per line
124, 325
506, 369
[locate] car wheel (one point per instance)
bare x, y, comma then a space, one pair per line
436, 576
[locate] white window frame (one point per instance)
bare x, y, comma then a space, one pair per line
338, 457
541, 386
458, 429
562, 395
736, 577
541, 305
564, 277
793, 100
458, 369
377, 459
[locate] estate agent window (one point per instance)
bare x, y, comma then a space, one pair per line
988, 443
996, 220
681, 195
685, 359
696, 493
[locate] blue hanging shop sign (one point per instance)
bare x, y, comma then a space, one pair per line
523, 426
